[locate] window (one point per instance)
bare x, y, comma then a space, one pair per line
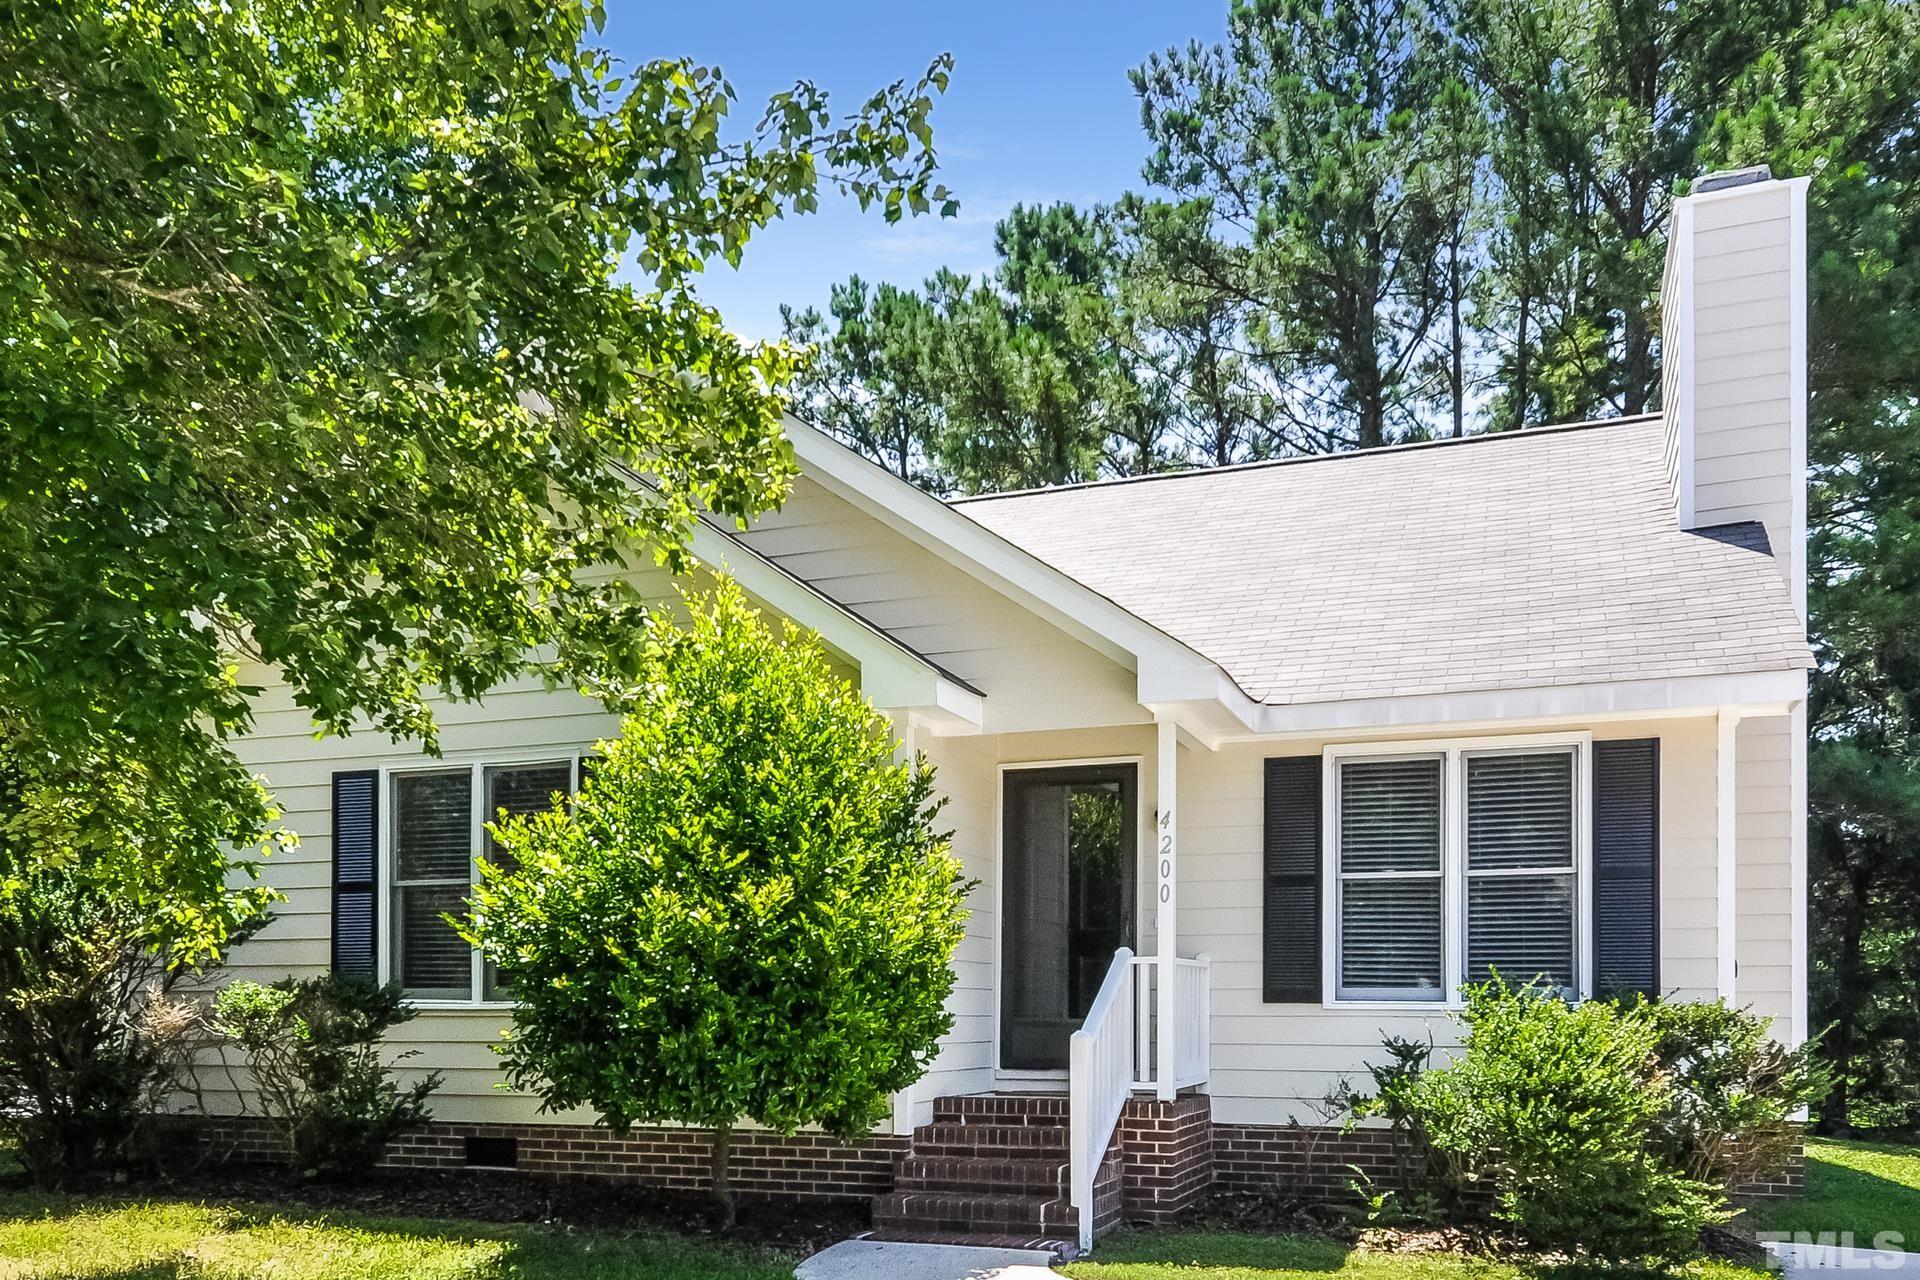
436, 828
1452, 863
1392, 879
1521, 872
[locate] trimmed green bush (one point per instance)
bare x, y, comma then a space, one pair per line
1734, 1092
314, 1048
747, 912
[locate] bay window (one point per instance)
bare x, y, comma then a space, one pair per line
1451, 863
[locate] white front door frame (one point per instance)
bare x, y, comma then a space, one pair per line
1003, 1079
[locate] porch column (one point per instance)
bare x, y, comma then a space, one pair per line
1166, 787
906, 1100
1726, 800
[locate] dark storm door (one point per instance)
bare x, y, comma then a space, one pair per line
1066, 903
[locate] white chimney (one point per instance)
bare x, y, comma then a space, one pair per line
1734, 360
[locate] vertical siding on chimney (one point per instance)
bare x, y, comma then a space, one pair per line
1735, 381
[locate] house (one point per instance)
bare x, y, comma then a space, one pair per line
1335, 734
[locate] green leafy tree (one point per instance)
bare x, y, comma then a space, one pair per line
1037, 388
747, 912
1027, 376
872, 375
1606, 105
332, 337
1184, 322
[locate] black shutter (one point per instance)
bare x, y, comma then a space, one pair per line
1292, 882
1626, 867
356, 827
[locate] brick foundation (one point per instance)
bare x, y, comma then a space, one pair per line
1788, 1183
1324, 1161
1306, 1159
1167, 1156
806, 1165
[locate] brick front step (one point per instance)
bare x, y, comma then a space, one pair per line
973, 1211
994, 1165
983, 1173
1045, 1110
1004, 1141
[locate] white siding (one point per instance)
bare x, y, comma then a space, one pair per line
1734, 379
966, 775
521, 721
1034, 674
1272, 1063
1763, 869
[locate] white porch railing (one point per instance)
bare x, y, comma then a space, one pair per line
1100, 1076
1115, 1053
1190, 1049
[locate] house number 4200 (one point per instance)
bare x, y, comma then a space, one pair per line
1166, 855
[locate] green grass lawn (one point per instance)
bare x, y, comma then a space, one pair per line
55, 1238
1865, 1188
1226, 1255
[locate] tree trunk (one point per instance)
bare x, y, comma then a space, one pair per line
1524, 289
1638, 362
722, 1172
1459, 386
1849, 978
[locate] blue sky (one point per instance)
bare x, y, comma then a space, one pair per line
1039, 110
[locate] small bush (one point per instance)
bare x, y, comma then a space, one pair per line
1734, 1091
1607, 1131
314, 1046
92, 1042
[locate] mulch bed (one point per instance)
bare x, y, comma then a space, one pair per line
788, 1224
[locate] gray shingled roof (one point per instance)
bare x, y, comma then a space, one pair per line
1544, 557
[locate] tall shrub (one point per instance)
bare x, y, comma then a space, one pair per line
1611, 1131
747, 913
98, 922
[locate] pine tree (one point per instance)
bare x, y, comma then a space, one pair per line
1841, 102
1301, 132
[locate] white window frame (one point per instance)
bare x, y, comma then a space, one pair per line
1453, 857
477, 767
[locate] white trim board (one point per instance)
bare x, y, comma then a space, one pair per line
1757, 693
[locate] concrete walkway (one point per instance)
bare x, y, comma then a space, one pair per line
877, 1260
1831, 1260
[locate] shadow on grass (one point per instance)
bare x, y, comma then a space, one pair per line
1858, 1189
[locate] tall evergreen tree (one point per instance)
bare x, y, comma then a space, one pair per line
872, 378
1302, 131
1841, 102
1605, 106
1187, 333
